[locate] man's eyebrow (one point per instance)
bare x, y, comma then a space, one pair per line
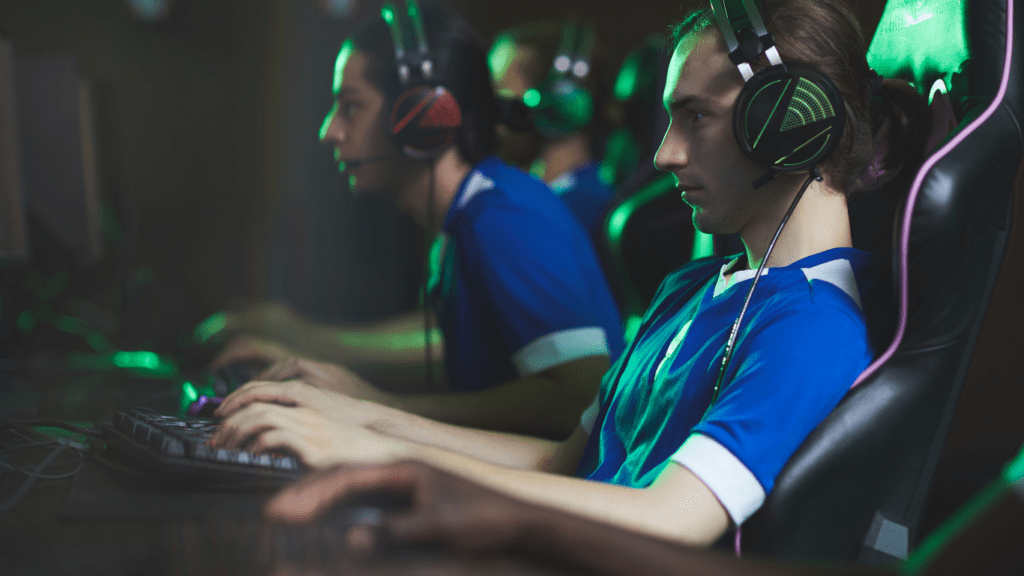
690, 100
346, 91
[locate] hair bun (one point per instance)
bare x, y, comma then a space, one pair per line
515, 114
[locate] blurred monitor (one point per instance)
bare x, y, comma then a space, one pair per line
14, 245
58, 153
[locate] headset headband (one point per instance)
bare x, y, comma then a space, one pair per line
574, 47
744, 34
407, 56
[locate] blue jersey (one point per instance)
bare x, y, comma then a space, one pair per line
586, 195
802, 344
519, 289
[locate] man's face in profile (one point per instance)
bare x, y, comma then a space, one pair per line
713, 174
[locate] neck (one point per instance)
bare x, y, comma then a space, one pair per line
564, 155
448, 172
819, 222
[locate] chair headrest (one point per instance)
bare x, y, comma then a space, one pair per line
922, 41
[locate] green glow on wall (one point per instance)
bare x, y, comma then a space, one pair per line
26, 321
210, 327
531, 97
920, 41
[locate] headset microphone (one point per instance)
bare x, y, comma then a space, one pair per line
350, 164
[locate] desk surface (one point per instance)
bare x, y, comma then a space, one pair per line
105, 520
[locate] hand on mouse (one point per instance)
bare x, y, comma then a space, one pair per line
316, 440
446, 508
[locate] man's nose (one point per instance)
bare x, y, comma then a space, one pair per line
330, 131
673, 154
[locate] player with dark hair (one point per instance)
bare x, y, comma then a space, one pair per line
701, 412
528, 321
550, 66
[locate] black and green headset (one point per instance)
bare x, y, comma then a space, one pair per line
561, 103
788, 117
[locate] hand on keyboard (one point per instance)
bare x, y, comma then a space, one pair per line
337, 407
186, 442
317, 440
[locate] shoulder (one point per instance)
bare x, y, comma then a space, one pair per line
690, 276
499, 201
832, 280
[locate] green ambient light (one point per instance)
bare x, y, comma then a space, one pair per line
26, 321
628, 78
388, 13
531, 98
189, 391
500, 57
210, 327
143, 362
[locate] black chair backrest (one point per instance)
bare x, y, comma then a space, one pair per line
855, 489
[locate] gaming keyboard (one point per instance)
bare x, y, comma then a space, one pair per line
179, 448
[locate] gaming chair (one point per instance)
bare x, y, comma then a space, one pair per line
854, 491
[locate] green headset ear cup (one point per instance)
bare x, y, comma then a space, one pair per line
565, 106
789, 118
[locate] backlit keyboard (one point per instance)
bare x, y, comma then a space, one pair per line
180, 447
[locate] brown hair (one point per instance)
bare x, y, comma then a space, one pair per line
825, 34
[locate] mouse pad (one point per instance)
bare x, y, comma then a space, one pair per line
99, 492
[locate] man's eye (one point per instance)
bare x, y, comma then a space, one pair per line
347, 108
696, 116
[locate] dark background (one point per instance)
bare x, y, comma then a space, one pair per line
206, 128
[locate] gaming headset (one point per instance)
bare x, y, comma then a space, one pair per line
788, 117
561, 103
424, 121
426, 117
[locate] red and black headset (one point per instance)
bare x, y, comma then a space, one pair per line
426, 117
424, 122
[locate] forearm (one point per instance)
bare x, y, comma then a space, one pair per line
392, 351
609, 550
504, 449
673, 511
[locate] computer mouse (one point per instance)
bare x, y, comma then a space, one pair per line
204, 406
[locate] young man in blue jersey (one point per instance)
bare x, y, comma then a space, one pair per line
528, 320
525, 62
655, 453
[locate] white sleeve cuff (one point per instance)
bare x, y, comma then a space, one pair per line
724, 474
589, 417
560, 347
